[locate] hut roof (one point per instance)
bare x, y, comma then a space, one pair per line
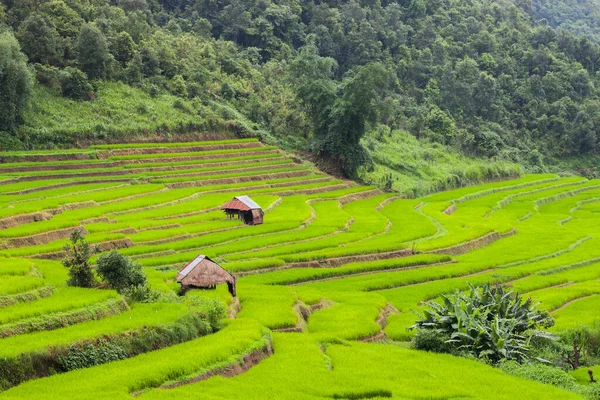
203, 271
242, 203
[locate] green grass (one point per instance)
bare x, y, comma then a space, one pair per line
140, 315
118, 110
299, 370
419, 167
118, 379
63, 299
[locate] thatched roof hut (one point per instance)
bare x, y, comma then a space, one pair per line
204, 273
244, 208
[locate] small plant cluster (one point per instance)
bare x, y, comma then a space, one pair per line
115, 269
487, 323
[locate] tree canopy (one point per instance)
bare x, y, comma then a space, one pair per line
493, 79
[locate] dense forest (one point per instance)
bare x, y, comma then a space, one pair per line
487, 79
579, 16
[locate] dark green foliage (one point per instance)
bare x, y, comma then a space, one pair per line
484, 78
123, 48
93, 52
141, 294
340, 112
77, 259
75, 85
488, 323
89, 355
40, 40
431, 340
15, 83
579, 16
119, 271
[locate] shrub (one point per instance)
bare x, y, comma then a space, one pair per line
74, 84
141, 294
89, 355
119, 271
488, 323
429, 340
212, 310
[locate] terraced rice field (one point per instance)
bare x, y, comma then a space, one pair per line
326, 285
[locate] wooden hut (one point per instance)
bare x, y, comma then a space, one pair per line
244, 208
204, 273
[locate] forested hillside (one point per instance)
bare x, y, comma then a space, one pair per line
338, 78
579, 16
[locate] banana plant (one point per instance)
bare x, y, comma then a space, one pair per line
487, 322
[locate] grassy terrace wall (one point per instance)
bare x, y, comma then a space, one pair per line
335, 263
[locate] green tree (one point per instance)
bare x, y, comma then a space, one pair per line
77, 260
75, 85
119, 271
354, 109
39, 40
314, 85
123, 48
93, 52
16, 83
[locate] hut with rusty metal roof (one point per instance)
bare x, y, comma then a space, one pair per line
204, 273
244, 208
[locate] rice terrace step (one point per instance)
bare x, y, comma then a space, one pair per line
326, 285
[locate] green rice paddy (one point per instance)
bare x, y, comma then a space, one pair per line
328, 282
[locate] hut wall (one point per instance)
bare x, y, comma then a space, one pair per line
257, 217
206, 274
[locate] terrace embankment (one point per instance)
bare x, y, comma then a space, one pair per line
382, 319
474, 244
242, 365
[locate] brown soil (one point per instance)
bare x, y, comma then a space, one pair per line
22, 219
303, 312
336, 262
44, 238
44, 157
240, 179
450, 210
322, 304
474, 244
97, 220
186, 149
65, 184
384, 314
238, 368
234, 308
57, 167
104, 246
195, 158
131, 171
359, 196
